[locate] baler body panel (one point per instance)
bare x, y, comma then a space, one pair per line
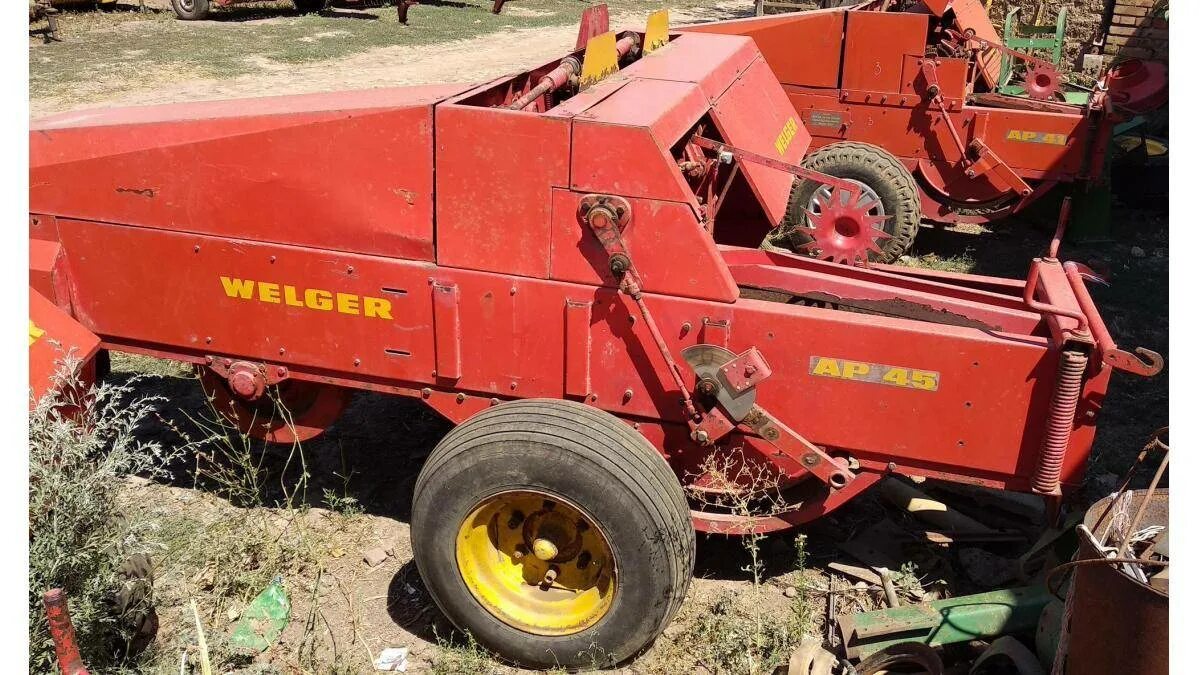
343, 172
495, 173
509, 293
141, 286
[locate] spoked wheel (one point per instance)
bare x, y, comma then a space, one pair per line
553, 534
877, 224
298, 411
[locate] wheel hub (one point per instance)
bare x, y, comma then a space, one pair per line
537, 563
1042, 82
844, 226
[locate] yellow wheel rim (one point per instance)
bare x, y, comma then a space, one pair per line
537, 562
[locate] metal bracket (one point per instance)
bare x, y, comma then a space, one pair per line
606, 216
730, 382
247, 379
988, 161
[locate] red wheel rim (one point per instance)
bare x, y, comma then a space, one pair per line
306, 408
844, 231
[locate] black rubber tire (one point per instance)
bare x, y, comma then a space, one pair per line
597, 463
198, 11
878, 169
310, 6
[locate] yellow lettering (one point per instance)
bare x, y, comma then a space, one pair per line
377, 308
289, 297
268, 292
311, 298
826, 367
897, 376
923, 379
854, 369
347, 303
1028, 135
1013, 135
318, 299
238, 288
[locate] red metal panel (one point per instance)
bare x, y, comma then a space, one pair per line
667, 109
754, 115
803, 48
709, 61
495, 170
876, 44
622, 145
166, 288
43, 262
951, 80
253, 169
997, 386
447, 331
149, 288
53, 336
577, 346
657, 231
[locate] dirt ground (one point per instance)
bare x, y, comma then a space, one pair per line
133, 58
225, 533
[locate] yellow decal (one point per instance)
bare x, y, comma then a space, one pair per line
656, 31
784, 139
34, 332
309, 298
599, 60
874, 373
1045, 138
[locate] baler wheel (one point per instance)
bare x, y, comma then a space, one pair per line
553, 533
295, 411
876, 169
190, 10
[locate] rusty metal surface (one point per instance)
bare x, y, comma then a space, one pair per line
1118, 624
58, 615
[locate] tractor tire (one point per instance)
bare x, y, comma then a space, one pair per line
878, 170
541, 486
310, 6
190, 10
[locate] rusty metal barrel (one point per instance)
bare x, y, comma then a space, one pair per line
1118, 624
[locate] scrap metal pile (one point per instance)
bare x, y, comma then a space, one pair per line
556, 261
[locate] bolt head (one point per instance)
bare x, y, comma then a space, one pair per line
244, 384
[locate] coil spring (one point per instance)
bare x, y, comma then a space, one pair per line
1060, 422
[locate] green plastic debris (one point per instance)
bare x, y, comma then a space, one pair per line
264, 619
